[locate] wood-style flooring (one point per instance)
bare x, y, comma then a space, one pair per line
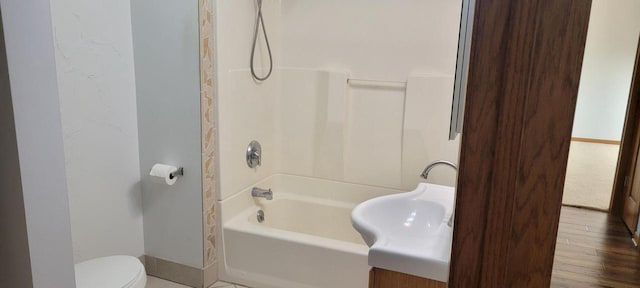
594, 250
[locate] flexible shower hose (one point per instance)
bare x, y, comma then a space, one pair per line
260, 21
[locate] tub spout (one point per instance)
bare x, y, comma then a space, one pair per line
262, 193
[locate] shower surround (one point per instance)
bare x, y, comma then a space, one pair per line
316, 120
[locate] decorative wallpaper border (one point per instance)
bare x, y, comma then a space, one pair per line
208, 124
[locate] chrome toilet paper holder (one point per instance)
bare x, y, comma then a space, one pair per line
177, 173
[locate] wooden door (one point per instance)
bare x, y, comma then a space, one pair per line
632, 198
524, 73
632, 192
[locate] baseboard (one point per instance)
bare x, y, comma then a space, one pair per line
585, 207
179, 273
592, 140
210, 274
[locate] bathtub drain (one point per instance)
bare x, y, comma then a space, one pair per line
260, 216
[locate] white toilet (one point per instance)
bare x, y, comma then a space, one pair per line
111, 272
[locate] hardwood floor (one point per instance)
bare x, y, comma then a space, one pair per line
594, 250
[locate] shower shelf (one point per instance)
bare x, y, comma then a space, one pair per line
376, 83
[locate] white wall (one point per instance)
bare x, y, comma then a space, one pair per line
309, 121
38, 133
94, 59
167, 61
365, 134
14, 250
377, 39
607, 68
246, 110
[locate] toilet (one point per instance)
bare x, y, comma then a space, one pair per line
111, 272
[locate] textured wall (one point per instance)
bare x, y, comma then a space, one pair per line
94, 61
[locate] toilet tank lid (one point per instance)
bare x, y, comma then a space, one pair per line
109, 272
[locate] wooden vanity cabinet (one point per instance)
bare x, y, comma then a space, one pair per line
382, 278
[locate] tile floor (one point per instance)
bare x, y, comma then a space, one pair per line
222, 284
154, 282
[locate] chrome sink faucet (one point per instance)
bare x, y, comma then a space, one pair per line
425, 174
262, 193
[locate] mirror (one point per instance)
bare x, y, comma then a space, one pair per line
462, 68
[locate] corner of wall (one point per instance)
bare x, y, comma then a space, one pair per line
34, 92
208, 126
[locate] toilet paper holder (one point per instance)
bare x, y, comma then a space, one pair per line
177, 173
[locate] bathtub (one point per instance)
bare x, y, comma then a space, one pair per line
305, 240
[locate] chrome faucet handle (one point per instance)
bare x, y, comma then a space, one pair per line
254, 154
257, 157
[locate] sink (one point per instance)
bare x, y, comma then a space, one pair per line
408, 232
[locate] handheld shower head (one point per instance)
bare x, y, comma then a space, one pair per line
260, 21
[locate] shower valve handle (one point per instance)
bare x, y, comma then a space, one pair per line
254, 154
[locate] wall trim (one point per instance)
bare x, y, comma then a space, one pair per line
179, 273
586, 208
208, 124
595, 140
175, 272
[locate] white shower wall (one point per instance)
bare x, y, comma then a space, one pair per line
383, 137
377, 39
309, 120
245, 108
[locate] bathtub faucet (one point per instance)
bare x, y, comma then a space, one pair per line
427, 169
262, 193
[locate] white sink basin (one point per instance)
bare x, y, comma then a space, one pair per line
408, 232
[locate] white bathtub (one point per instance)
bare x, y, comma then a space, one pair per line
306, 239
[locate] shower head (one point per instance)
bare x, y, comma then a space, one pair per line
260, 22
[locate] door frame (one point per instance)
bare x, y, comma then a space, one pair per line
629, 145
526, 60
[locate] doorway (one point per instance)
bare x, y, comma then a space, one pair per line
602, 103
595, 247
515, 147
626, 189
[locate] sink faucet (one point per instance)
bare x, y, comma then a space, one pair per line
450, 222
262, 193
427, 169
425, 174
